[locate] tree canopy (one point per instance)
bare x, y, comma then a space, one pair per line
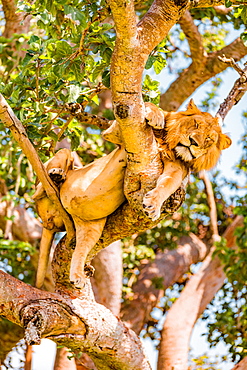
68, 68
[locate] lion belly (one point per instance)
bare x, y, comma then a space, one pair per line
96, 190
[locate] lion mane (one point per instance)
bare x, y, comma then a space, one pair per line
193, 136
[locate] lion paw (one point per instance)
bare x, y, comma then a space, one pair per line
78, 283
151, 206
89, 270
57, 175
155, 118
77, 279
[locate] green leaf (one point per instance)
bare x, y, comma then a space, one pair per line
33, 38
63, 49
74, 93
75, 15
159, 64
150, 62
243, 37
228, 3
106, 78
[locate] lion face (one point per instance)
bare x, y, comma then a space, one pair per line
195, 137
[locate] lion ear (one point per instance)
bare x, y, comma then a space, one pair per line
192, 108
224, 141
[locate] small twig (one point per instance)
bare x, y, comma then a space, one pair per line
238, 90
59, 135
77, 111
8, 228
37, 80
212, 205
234, 65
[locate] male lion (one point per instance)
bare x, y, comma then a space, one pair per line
189, 140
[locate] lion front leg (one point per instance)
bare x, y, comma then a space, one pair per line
167, 184
87, 235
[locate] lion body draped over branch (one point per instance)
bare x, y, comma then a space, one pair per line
190, 140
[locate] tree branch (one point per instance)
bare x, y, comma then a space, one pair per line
198, 53
169, 266
14, 22
212, 205
238, 90
209, 3
11, 121
241, 365
198, 292
191, 78
79, 324
157, 22
108, 277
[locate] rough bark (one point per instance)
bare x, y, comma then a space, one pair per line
238, 90
209, 3
181, 318
170, 266
77, 323
242, 365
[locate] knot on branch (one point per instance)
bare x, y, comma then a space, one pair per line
122, 111
44, 318
33, 323
77, 111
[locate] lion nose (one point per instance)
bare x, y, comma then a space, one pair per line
193, 142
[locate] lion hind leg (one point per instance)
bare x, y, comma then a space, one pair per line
44, 253
87, 235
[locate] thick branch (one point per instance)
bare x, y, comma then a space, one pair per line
198, 53
108, 277
79, 324
157, 22
192, 77
193, 300
209, 3
170, 267
242, 365
77, 111
14, 22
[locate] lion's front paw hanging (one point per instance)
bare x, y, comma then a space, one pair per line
78, 280
152, 205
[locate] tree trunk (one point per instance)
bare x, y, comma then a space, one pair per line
182, 316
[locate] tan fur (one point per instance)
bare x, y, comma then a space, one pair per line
188, 140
